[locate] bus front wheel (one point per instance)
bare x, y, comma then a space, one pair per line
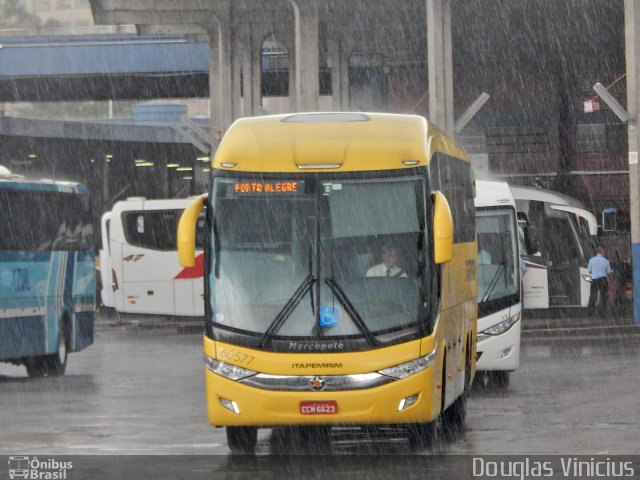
454, 417
422, 435
499, 378
242, 440
57, 362
36, 366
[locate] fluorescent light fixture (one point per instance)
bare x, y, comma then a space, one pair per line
173, 165
144, 164
108, 156
206, 169
187, 178
139, 160
203, 159
184, 169
32, 155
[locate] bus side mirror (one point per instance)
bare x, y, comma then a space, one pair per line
187, 232
442, 229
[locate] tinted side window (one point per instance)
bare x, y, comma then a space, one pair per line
156, 229
36, 220
452, 176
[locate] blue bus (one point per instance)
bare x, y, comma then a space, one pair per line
47, 273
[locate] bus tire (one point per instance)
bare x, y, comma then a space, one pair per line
422, 435
499, 378
56, 363
454, 418
36, 366
242, 440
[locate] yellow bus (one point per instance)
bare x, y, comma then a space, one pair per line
340, 275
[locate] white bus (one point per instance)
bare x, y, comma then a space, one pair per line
560, 237
499, 286
139, 270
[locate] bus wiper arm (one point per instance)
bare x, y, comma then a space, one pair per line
492, 284
351, 311
288, 309
216, 250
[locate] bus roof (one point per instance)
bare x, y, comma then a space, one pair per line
44, 185
490, 193
340, 141
547, 196
142, 203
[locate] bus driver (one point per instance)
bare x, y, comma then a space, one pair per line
389, 266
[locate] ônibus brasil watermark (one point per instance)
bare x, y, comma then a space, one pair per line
34, 468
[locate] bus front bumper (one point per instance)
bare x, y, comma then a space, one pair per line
378, 405
500, 352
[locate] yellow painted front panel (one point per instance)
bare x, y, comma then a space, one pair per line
313, 363
376, 405
371, 406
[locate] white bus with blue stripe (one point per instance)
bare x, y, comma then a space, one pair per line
47, 272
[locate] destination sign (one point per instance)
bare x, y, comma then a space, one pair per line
274, 187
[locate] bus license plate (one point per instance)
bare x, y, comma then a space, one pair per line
328, 407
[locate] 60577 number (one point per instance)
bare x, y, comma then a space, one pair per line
234, 356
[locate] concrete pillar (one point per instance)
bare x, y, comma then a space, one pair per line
214, 84
307, 58
345, 52
337, 66
440, 64
250, 72
236, 78
223, 95
163, 173
632, 48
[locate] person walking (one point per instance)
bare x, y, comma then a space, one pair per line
599, 268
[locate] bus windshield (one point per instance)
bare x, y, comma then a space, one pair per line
307, 257
498, 260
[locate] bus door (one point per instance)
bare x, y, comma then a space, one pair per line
586, 229
535, 284
563, 256
106, 269
148, 261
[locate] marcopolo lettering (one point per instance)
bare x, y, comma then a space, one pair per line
315, 347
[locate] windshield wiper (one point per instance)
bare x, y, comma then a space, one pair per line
351, 311
216, 250
288, 309
492, 284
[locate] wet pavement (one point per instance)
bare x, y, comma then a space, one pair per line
139, 391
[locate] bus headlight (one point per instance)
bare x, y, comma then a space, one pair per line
410, 368
232, 372
501, 327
